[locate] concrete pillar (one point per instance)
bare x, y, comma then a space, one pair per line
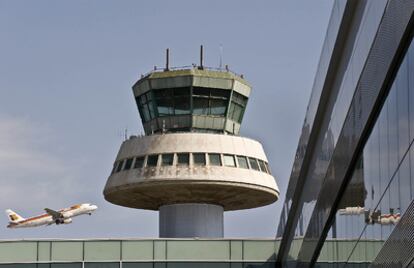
191, 220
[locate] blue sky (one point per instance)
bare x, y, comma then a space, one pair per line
66, 71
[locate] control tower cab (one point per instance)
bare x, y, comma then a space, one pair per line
191, 165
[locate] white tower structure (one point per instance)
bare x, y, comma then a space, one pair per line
191, 165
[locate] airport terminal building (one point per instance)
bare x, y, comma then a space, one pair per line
349, 201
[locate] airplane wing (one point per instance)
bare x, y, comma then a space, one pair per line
53, 213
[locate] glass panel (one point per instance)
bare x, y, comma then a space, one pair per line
183, 159
229, 160
165, 107
120, 164
114, 168
139, 162
214, 159
137, 265
199, 158
167, 159
242, 162
220, 93
182, 105
201, 91
262, 166
253, 164
128, 163
268, 168
200, 106
218, 107
182, 91
101, 265
152, 160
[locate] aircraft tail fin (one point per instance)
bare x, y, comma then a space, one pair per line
13, 216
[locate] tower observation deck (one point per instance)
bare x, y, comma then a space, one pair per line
191, 165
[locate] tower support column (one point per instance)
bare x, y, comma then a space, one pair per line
191, 220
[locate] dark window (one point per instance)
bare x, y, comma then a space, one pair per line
262, 166
183, 159
128, 163
242, 162
214, 159
200, 106
120, 164
172, 101
268, 168
152, 160
237, 106
167, 159
229, 160
218, 107
210, 101
139, 162
145, 106
199, 158
253, 164
114, 168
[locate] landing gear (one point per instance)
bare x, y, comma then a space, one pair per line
89, 214
59, 221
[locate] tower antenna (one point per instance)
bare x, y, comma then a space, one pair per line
201, 57
221, 57
167, 60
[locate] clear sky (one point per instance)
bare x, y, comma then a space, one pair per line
66, 71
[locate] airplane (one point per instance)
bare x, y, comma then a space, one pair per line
63, 216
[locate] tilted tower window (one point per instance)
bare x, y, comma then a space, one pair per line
172, 101
237, 107
210, 101
145, 106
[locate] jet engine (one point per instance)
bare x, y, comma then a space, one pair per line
63, 221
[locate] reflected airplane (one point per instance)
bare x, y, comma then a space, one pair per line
63, 216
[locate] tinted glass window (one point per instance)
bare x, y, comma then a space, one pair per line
268, 168
229, 160
152, 160
214, 159
128, 163
120, 164
139, 162
114, 168
262, 166
253, 164
199, 158
242, 162
183, 159
167, 159
200, 106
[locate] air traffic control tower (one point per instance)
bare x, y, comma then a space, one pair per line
191, 165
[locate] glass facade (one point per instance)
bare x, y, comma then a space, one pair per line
381, 188
351, 178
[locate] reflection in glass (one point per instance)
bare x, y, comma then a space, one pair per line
199, 159
183, 159
229, 160
139, 162
242, 162
253, 164
167, 159
152, 160
214, 159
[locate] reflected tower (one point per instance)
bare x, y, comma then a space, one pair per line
191, 165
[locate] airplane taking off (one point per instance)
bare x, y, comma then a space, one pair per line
63, 216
